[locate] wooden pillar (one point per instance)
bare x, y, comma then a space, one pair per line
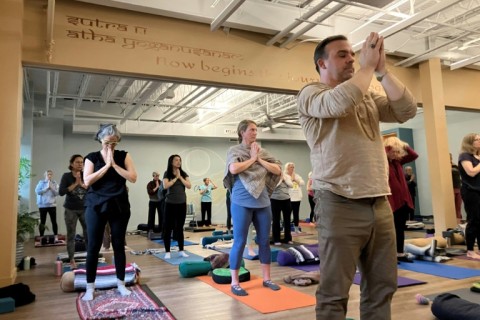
437, 145
11, 81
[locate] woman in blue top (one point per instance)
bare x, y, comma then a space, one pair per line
251, 175
175, 180
206, 201
105, 174
469, 165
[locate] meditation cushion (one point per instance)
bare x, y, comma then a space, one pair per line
422, 242
190, 269
66, 284
223, 275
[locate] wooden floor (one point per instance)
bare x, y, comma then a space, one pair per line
192, 299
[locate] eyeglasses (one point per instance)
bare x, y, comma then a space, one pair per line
113, 143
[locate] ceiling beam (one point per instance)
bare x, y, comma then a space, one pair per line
465, 62
418, 57
298, 22
404, 24
146, 94
312, 25
225, 14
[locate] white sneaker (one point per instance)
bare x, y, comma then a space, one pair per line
182, 254
167, 255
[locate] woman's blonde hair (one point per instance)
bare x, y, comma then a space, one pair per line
395, 144
467, 144
286, 166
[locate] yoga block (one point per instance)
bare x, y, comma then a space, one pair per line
7, 305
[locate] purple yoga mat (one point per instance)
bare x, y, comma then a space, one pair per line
401, 281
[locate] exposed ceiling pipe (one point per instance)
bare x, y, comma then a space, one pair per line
416, 58
404, 24
146, 94
312, 25
298, 22
465, 62
83, 89
225, 14
47, 102
50, 26
26, 86
56, 76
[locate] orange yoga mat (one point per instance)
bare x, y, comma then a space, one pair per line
263, 299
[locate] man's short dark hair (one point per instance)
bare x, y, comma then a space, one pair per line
320, 49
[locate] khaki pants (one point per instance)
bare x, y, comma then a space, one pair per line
355, 232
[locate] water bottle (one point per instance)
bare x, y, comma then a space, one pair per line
26, 263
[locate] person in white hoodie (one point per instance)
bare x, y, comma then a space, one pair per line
295, 192
47, 192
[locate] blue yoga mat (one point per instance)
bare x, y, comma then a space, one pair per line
176, 260
439, 270
174, 243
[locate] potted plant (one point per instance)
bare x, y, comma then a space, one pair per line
26, 221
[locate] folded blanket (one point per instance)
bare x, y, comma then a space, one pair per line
106, 277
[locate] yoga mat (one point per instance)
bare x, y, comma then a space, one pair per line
174, 243
439, 270
463, 293
401, 281
273, 252
263, 299
140, 304
61, 242
176, 259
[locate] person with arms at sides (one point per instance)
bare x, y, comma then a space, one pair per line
251, 175
280, 202
469, 166
154, 204
74, 190
399, 153
412, 189
340, 118
106, 173
311, 200
47, 192
175, 180
457, 185
295, 191
206, 201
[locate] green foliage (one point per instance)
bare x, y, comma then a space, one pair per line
26, 221
24, 172
26, 224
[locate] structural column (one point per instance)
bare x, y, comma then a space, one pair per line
437, 145
11, 81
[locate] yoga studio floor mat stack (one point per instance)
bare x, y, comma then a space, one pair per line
175, 259
140, 304
439, 269
263, 299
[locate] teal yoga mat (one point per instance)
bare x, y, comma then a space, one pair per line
174, 243
439, 269
176, 260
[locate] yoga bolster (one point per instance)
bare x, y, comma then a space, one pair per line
447, 306
223, 275
190, 269
212, 239
422, 242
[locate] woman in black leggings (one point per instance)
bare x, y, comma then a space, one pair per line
105, 174
175, 180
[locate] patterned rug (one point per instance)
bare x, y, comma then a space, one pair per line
140, 304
